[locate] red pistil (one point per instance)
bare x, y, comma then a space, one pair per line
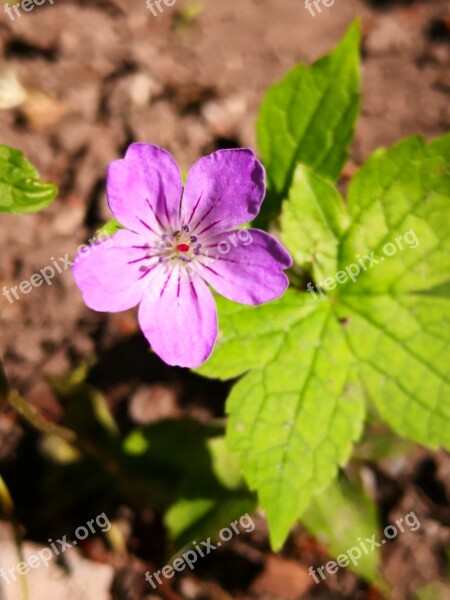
183, 247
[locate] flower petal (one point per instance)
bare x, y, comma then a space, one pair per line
107, 276
144, 189
180, 322
223, 190
246, 266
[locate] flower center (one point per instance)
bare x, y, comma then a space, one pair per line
179, 246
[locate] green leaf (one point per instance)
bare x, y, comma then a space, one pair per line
309, 117
202, 487
21, 190
400, 197
398, 331
109, 228
311, 361
293, 418
401, 344
317, 204
353, 517
197, 519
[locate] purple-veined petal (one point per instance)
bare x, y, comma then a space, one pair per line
245, 266
180, 319
223, 190
144, 190
111, 276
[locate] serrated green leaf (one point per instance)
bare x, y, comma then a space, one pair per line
309, 117
400, 197
353, 515
398, 332
284, 418
21, 190
401, 343
247, 339
317, 204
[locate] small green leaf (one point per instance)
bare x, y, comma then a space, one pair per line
21, 190
185, 514
353, 517
309, 117
109, 228
192, 519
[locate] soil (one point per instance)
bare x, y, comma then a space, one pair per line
104, 73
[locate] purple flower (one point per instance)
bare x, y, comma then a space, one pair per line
179, 240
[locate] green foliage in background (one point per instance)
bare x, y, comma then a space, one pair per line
341, 515
21, 189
